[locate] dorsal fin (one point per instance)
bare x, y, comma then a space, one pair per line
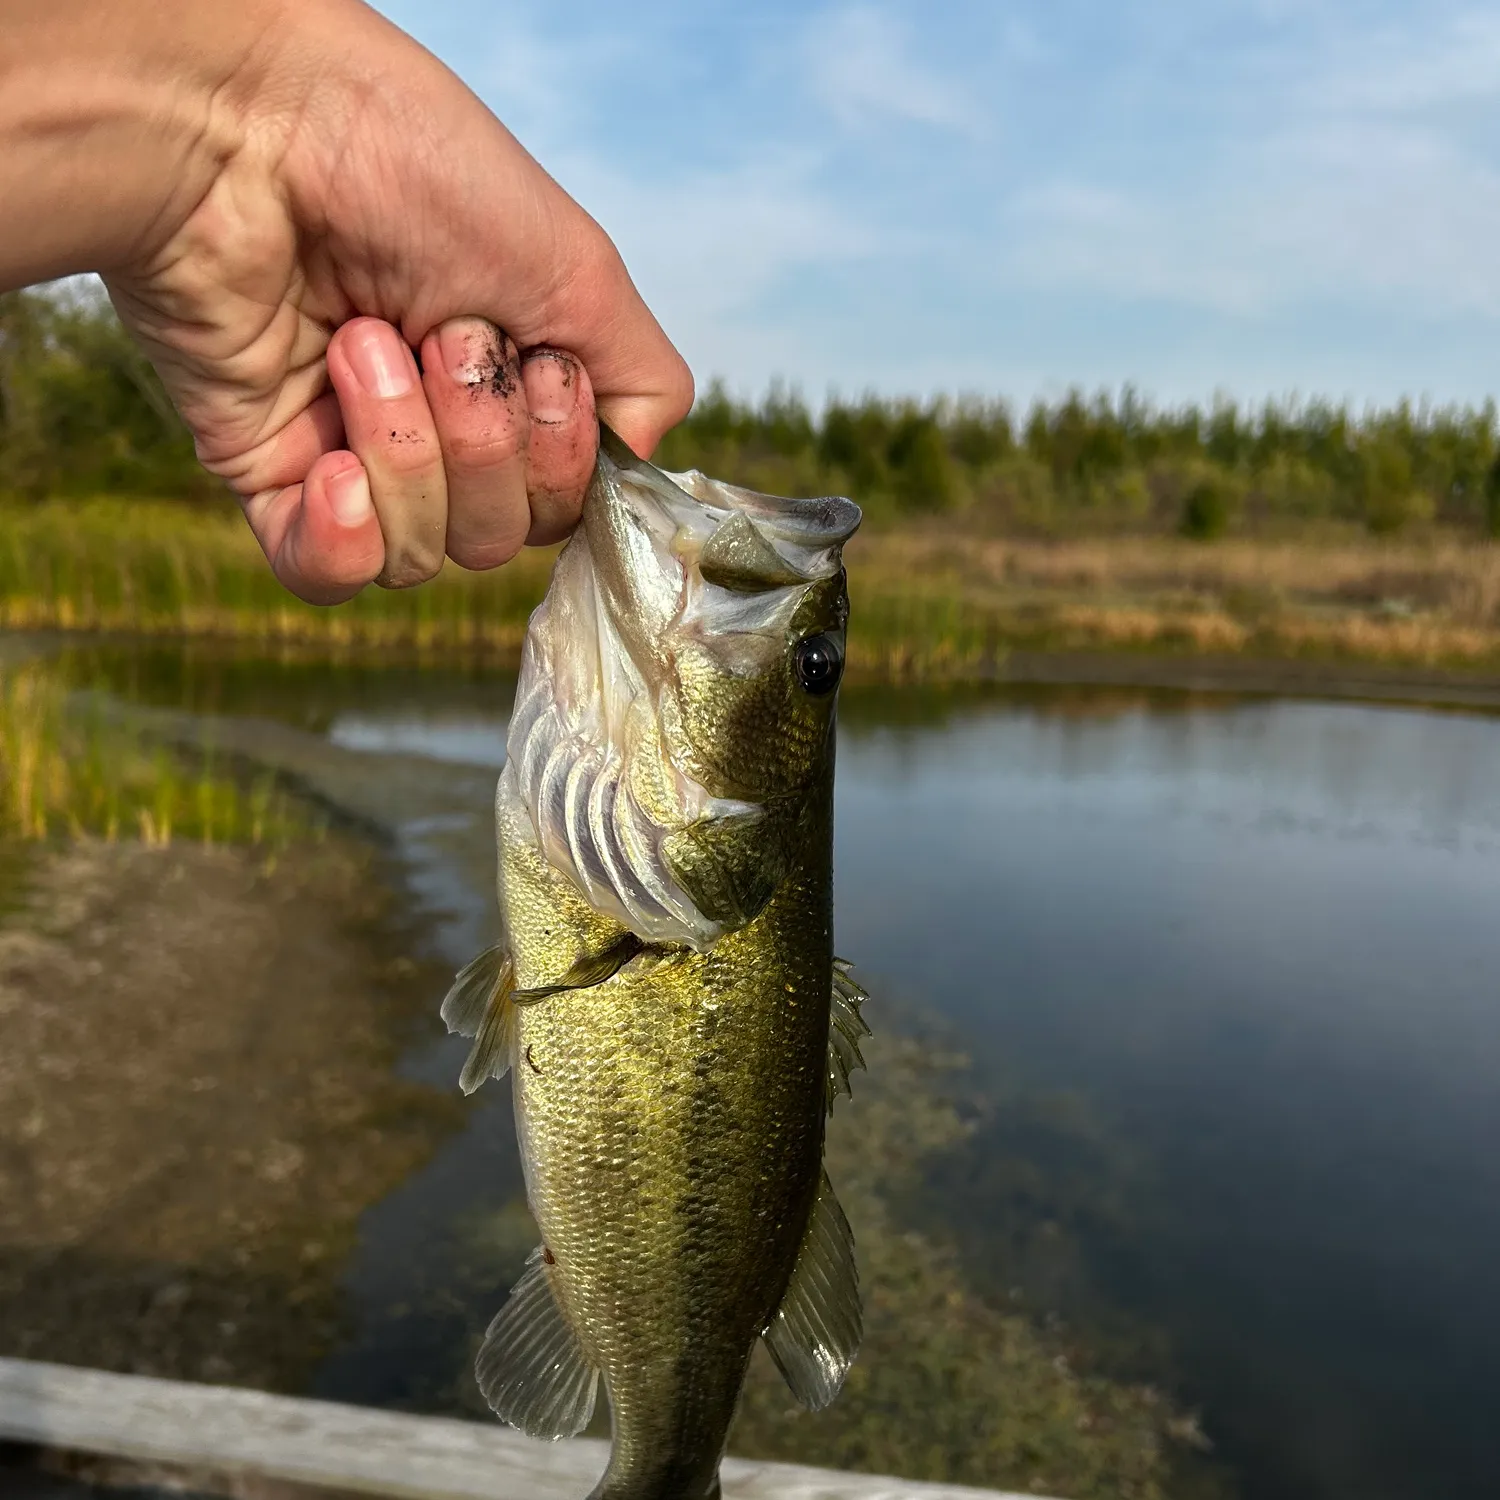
816, 1332
845, 1027
531, 1367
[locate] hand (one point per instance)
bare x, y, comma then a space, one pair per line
325, 198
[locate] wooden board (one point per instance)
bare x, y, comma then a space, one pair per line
237, 1435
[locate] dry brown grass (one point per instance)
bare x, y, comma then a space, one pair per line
929, 601
945, 603
1461, 578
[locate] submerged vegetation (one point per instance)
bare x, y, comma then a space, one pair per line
950, 1385
74, 769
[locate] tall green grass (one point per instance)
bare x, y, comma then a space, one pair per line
933, 601
71, 768
167, 569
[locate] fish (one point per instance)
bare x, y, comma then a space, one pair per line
665, 993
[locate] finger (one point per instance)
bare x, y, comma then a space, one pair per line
472, 375
592, 309
564, 440
390, 427
322, 536
287, 455
642, 421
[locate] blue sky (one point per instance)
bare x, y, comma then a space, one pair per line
1246, 196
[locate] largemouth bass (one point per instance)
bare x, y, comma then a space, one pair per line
665, 992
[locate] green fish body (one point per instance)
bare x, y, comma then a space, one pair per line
665, 993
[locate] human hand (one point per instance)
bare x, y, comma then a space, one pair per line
337, 199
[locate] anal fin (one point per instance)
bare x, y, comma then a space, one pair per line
481, 1005
816, 1332
531, 1367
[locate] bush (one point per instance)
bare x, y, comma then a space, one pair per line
923, 472
1291, 486
1492, 500
1207, 509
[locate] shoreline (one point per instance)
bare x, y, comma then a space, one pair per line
1372, 682
199, 1101
1239, 674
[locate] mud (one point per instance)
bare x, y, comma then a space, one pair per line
198, 1099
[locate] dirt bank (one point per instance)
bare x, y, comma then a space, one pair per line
197, 1102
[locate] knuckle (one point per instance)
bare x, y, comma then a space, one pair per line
681, 394
408, 570
480, 557
490, 448
408, 452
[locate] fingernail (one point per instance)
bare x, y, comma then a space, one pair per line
381, 362
349, 497
477, 353
551, 380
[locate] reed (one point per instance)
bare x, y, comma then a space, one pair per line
938, 602
170, 569
931, 600
67, 768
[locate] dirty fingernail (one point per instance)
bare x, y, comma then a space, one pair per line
381, 361
474, 352
349, 497
551, 386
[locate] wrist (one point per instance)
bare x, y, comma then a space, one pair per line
115, 119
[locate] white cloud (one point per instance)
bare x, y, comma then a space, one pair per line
1235, 175
1396, 69
864, 70
1355, 185
710, 249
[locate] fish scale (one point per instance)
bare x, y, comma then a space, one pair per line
671, 1084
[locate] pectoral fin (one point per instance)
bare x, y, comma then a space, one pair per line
481, 1004
815, 1335
531, 1367
845, 1027
589, 967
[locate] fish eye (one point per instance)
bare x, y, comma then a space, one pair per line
820, 664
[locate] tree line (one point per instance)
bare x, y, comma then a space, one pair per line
83, 413
81, 410
1112, 461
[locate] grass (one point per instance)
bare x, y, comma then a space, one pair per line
73, 770
163, 569
931, 601
936, 602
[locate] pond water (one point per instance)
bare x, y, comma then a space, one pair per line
1227, 972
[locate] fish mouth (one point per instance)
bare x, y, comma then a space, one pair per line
804, 535
590, 750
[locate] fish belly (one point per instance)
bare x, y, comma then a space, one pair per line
671, 1125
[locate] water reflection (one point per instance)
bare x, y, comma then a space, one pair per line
1258, 940
452, 739
1227, 972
